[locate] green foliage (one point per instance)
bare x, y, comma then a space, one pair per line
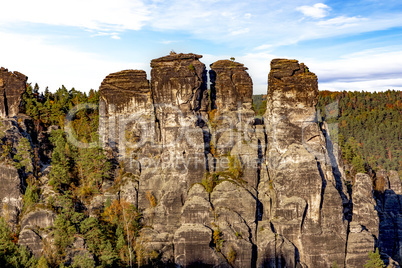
62, 162
64, 233
11, 254
6, 154
374, 260
191, 67
232, 173
209, 181
259, 104
31, 196
23, 157
369, 127
42, 263
217, 237
83, 261
77, 174
93, 167
231, 255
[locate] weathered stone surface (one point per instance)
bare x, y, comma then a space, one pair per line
179, 80
306, 197
12, 181
231, 86
360, 243
12, 85
279, 199
365, 222
192, 246
33, 229
364, 212
32, 241
274, 250
10, 193
126, 113
38, 219
389, 209
395, 182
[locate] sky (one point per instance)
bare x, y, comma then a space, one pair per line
350, 45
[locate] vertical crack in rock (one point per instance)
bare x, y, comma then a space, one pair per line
281, 202
12, 86
305, 192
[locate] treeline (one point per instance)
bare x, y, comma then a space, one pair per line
367, 127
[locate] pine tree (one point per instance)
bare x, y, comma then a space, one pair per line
12, 255
374, 260
61, 162
23, 158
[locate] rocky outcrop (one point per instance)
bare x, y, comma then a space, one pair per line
125, 112
12, 85
304, 199
204, 159
12, 184
365, 222
389, 209
10, 193
231, 86
33, 230
214, 187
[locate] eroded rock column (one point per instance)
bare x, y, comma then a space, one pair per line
302, 198
12, 85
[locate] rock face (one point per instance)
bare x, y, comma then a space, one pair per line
389, 209
12, 183
303, 197
365, 222
216, 189
125, 111
231, 86
12, 85
32, 230
10, 193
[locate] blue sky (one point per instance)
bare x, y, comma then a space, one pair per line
350, 45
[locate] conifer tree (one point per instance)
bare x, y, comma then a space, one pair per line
374, 260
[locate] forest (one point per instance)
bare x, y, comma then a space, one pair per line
367, 128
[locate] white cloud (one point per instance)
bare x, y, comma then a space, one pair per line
368, 86
90, 14
168, 42
316, 11
112, 35
342, 21
263, 47
240, 31
247, 15
52, 65
368, 70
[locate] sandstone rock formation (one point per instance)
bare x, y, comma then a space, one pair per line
125, 111
214, 188
10, 193
12, 85
12, 183
389, 209
231, 86
32, 233
364, 226
305, 198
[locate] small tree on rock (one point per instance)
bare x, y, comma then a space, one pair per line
374, 260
